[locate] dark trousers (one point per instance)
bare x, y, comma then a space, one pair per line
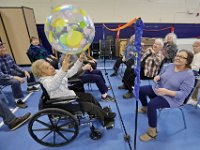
155, 102
117, 64
16, 85
90, 105
95, 76
86, 103
129, 75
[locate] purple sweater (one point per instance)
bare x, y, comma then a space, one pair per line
182, 82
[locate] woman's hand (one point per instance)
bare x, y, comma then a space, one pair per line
87, 67
66, 63
156, 78
92, 61
53, 57
49, 59
82, 57
164, 91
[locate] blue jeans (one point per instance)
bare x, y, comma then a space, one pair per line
155, 102
16, 85
5, 113
95, 76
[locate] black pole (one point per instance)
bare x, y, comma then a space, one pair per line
136, 119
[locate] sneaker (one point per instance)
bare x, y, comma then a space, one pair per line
122, 87
32, 89
19, 121
128, 95
192, 102
21, 104
142, 110
107, 98
113, 74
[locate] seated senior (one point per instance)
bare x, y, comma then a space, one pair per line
56, 84
170, 89
12, 74
88, 74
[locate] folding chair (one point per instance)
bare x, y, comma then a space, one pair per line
185, 102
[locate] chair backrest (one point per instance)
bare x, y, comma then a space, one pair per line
196, 74
45, 95
105, 47
29, 57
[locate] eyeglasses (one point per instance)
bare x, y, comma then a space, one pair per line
179, 56
195, 46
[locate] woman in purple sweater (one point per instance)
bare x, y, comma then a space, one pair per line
170, 88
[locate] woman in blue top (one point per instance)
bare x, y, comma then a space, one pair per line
170, 89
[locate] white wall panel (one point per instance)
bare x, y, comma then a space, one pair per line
158, 11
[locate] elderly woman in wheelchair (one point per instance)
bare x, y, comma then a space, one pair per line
62, 116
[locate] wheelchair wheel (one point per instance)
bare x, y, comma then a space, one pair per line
53, 127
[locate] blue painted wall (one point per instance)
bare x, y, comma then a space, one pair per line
150, 30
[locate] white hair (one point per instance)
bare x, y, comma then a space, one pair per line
160, 41
173, 35
132, 38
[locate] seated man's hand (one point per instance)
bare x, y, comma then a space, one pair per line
21, 80
26, 74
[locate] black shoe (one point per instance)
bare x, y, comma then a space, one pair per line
109, 123
21, 104
128, 95
19, 121
110, 116
113, 74
107, 98
122, 87
32, 89
107, 109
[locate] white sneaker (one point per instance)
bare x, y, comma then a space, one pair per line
192, 102
198, 105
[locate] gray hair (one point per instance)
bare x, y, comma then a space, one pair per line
160, 41
173, 35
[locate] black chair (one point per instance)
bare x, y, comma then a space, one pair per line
55, 125
105, 48
29, 57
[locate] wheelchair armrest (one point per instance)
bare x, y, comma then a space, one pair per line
72, 81
62, 100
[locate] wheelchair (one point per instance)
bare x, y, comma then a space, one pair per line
56, 126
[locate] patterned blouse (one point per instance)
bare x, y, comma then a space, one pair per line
152, 62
